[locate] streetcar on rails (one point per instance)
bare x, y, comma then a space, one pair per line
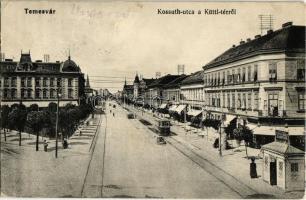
164, 127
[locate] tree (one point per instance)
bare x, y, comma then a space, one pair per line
33, 107
5, 110
17, 119
36, 121
244, 133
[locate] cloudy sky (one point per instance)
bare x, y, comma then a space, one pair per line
113, 40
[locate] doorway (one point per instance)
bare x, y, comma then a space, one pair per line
273, 177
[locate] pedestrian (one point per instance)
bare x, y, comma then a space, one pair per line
113, 114
65, 143
80, 133
45, 145
253, 171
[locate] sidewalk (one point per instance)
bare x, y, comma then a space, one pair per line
26, 172
233, 161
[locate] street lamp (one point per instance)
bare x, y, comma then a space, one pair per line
56, 124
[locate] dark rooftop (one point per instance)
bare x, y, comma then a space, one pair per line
176, 82
196, 77
148, 81
288, 39
163, 80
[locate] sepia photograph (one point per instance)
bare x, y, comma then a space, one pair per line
152, 99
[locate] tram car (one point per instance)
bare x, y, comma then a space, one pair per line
164, 127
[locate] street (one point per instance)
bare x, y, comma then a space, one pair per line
136, 166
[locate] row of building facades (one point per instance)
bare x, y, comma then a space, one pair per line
37, 82
261, 81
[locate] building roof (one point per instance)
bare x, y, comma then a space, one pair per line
148, 81
288, 39
160, 82
25, 58
176, 82
136, 80
282, 148
128, 87
194, 78
70, 66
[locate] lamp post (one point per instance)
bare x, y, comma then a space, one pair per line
56, 124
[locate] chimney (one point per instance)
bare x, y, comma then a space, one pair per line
233, 46
57, 61
249, 39
9, 60
287, 24
269, 31
39, 61
242, 42
257, 36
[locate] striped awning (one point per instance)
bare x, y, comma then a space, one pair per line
270, 130
162, 106
180, 108
194, 112
172, 108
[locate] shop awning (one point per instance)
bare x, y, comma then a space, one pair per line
270, 130
229, 118
194, 112
173, 108
180, 108
163, 106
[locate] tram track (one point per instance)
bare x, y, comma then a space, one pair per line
91, 150
224, 177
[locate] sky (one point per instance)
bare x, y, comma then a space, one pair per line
111, 40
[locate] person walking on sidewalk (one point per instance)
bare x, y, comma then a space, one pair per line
253, 171
45, 145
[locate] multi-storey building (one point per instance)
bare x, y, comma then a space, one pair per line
39, 82
171, 92
140, 85
192, 94
154, 92
261, 81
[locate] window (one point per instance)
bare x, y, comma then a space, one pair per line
37, 82
255, 100
6, 82
223, 78
228, 100
239, 101
23, 79
45, 94
273, 104
233, 100
59, 82
22, 93
5, 93
238, 75
70, 82
294, 167
52, 93
29, 93
51, 82
233, 76
223, 100
301, 70
37, 94
243, 75
45, 82
249, 101
13, 93
302, 101
249, 73
70, 91
272, 71
255, 73
14, 81
243, 101
29, 81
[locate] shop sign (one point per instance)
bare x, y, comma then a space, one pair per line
281, 136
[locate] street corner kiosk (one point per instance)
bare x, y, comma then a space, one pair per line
284, 165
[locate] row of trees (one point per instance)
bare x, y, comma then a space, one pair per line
35, 120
